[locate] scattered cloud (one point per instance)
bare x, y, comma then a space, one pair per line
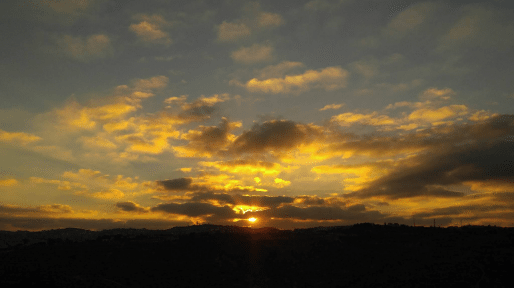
8, 182
85, 49
480, 27
276, 137
409, 19
232, 31
267, 19
125, 100
109, 194
434, 94
350, 118
331, 106
433, 115
329, 78
18, 137
368, 69
253, 54
150, 29
65, 7
325, 5
140, 86
279, 70
241, 202
247, 167
131, 207
180, 184
13, 210
465, 153
207, 141
97, 142
196, 210
61, 185
482, 115
90, 223
280, 183
255, 20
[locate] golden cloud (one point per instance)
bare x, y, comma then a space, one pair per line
349, 118
433, 94
150, 29
61, 185
433, 115
280, 183
103, 186
8, 182
126, 100
81, 174
329, 78
202, 184
355, 177
97, 142
493, 185
112, 194
18, 137
331, 106
248, 167
482, 115
157, 143
156, 82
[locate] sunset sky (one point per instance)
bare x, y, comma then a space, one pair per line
154, 114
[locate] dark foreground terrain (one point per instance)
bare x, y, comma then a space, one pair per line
363, 255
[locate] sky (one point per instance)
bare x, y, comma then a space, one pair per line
154, 114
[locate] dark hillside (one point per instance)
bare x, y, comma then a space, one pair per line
364, 255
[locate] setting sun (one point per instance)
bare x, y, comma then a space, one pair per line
252, 220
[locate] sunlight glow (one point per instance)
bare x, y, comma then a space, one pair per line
252, 219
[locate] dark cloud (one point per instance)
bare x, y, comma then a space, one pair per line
262, 201
180, 184
470, 152
130, 207
223, 198
476, 210
196, 210
277, 207
355, 213
197, 112
44, 209
275, 135
237, 199
36, 224
14, 209
201, 109
211, 139
187, 185
310, 200
436, 138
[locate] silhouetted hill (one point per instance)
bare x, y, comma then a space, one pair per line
363, 255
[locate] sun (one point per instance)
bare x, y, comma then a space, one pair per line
252, 220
